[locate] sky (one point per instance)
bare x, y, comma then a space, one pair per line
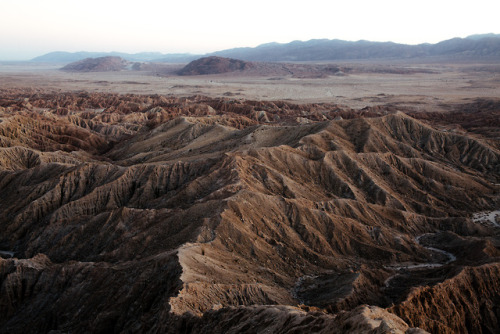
30, 28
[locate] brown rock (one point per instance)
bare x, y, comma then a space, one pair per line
100, 64
157, 213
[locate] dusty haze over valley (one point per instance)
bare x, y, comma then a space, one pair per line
231, 195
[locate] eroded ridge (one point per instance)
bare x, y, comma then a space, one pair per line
157, 213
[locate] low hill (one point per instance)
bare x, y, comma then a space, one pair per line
100, 64
214, 65
221, 65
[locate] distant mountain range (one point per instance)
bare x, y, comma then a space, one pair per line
324, 49
69, 57
484, 46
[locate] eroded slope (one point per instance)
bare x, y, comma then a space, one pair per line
208, 204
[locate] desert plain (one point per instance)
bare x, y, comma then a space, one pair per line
414, 83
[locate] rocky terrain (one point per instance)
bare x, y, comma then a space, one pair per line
214, 65
154, 213
99, 64
221, 65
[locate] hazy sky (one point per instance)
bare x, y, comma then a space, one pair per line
29, 28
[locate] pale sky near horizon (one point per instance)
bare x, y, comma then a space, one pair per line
30, 28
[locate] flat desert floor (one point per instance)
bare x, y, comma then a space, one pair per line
430, 87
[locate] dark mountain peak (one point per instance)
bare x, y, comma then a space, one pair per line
214, 65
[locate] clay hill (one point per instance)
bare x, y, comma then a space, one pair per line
99, 64
150, 213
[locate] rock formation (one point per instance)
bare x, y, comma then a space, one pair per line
214, 65
221, 65
99, 64
161, 214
